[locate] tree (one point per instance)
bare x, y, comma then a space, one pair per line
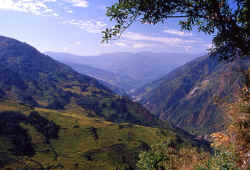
227, 19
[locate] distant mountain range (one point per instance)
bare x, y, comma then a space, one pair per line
52, 117
29, 77
184, 95
127, 71
191, 95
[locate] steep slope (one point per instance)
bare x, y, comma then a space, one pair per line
188, 96
32, 78
130, 70
52, 117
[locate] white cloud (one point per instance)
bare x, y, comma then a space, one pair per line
65, 49
130, 44
55, 15
36, 7
142, 45
10, 5
105, 45
49, 0
166, 40
120, 44
90, 26
69, 11
39, 7
141, 37
187, 48
177, 32
77, 43
78, 3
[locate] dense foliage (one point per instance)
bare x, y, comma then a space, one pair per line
222, 159
227, 19
168, 155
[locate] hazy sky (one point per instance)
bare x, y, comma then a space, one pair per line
75, 26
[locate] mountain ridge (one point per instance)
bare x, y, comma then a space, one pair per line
32, 78
130, 70
53, 117
187, 96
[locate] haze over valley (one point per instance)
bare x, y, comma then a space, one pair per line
124, 85
127, 71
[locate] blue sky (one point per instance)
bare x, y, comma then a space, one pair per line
74, 26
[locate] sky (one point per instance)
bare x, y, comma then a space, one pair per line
74, 26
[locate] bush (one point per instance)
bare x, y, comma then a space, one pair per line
222, 160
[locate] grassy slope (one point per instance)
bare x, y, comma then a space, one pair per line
116, 145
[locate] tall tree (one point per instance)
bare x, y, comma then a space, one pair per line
227, 19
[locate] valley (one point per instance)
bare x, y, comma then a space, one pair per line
53, 117
126, 71
190, 96
185, 95
124, 85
